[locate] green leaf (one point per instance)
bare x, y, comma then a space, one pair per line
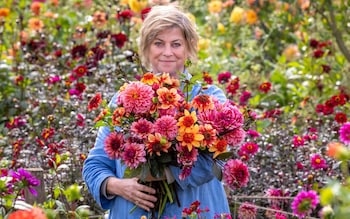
326, 196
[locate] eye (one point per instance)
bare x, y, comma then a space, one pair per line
176, 45
158, 43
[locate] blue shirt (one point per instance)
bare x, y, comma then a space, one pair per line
200, 186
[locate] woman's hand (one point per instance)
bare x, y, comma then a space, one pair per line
131, 190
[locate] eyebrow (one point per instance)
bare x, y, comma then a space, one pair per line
171, 41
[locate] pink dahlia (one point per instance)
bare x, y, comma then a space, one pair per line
272, 194
250, 148
235, 174
134, 154
344, 132
186, 158
137, 98
247, 211
166, 126
304, 203
114, 145
224, 117
317, 162
235, 136
141, 128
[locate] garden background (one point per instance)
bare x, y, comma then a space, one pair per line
284, 63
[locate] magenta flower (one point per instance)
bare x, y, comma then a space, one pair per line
247, 211
250, 148
186, 158
344, 133
137, 98
253, 133
317, 162
141, 128
134, 154
243, 99
166, 126
304, 203
235, 174
298, 141
224, 77
26, 179
273, 193
114, 145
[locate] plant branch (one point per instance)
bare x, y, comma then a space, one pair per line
336, 32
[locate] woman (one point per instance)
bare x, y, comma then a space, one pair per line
168, 39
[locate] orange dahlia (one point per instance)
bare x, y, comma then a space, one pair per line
157, 143
219, 147
187, 121
168, 98
209, 134
203, 102
190, 137
149, 78
35, 24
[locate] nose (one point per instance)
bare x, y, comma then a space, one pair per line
167, 50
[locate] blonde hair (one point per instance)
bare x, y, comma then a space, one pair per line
160, 18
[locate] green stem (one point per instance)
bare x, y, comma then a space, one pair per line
168, 193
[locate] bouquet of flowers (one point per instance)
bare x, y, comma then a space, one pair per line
155, 124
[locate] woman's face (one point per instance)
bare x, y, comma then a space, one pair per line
168, 52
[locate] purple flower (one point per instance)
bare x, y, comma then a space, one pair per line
27, 179
344, 132
304, 203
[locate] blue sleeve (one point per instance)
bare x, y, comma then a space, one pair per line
98, 166
210, 90
202, 171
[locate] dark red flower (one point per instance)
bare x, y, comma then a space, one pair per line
319, 108
246, 95
330, 103
80, 120
58, 53
19, 79
318, 53
328, 110
233, 86
94, 102
338, 100
103, 34
207, 78
119, 39
47, 133
224, 77
125, 15
98, 53
313, 43
144, 12
340, 118
80, 71
79, 51
326, 68
80, 87
265, 87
